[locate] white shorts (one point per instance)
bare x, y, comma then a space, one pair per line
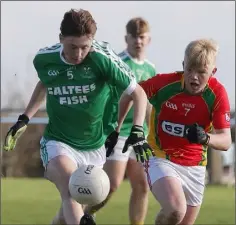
192, 178
51, 149
118, 155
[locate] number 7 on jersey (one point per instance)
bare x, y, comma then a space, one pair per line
186, 111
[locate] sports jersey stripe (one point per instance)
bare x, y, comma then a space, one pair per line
123, 55
209, 128
44, 152
109, 53
164, 94
151, 135
209, 97
203, 162
152, 140
52, 49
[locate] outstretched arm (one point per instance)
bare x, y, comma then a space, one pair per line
220, 140
36, 100
139, 99
20, 126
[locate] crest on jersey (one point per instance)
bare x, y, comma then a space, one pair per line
227, 117
88, 73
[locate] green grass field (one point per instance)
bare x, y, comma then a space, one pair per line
35, 201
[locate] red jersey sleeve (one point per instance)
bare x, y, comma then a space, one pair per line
221, 110
154, 84
150, 86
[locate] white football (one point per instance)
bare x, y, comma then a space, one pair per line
89, 185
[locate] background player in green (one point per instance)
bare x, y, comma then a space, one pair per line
137, 39
74, 77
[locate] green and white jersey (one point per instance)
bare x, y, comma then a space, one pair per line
143, 70
77, 94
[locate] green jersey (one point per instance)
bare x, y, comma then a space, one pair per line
77, 94
143, 71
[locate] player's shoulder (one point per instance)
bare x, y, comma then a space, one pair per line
214, 83
150, 64
50, 50
124, 55
161, 80
47, 54
216, 86
102, 48
168, 78
104, 52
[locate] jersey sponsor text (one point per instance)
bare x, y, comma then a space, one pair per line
74, 91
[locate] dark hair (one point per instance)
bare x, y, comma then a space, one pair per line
78, 23
137, 26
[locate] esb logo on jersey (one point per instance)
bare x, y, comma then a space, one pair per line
174, 129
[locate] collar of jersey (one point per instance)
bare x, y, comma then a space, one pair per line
133, 59
62, 57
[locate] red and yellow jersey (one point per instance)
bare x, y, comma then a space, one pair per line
174, 111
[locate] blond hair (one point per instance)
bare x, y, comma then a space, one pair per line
201, 53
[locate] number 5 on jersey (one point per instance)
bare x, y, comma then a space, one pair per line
70, 74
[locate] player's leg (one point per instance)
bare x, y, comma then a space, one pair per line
59, 170
191, 215
194, 184
97, 157
115, 167
169, 193
59, 218
60, 164
139, 196
167, 188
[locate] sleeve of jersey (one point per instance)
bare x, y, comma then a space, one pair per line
118, 73
221, 111
37, 65
151, 86
154, 71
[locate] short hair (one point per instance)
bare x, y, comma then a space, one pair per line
78, 23
137, 26
201, 52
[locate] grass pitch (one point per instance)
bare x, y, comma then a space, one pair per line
35, 201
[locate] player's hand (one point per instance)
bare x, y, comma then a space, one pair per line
196, 134
111, 143
138, 141
15, 132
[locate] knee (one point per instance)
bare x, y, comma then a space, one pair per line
140, 187
114, 185
170, 217
176, 216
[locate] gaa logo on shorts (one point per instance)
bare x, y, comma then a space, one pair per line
84, 190
171, 105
